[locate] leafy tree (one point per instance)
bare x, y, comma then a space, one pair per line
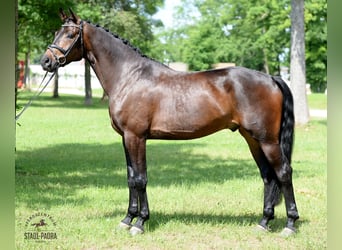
131, 20
297, 69
250, 33
38, 20
37, 23
316, 44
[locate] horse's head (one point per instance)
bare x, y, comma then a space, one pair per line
67, 45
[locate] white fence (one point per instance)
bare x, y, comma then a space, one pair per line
70, 77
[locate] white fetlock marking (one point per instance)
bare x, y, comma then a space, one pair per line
260, 228
287, 232
135, 231
124, 226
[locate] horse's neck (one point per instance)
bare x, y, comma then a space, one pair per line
109, 57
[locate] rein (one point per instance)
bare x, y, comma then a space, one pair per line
36, 94
62, 60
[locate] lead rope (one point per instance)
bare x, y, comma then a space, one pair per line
36, 94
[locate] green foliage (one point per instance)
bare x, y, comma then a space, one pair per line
37, 23
248, 33
132, 20
254, 34
316, 44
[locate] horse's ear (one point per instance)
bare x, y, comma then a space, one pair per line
75, 18
62, 15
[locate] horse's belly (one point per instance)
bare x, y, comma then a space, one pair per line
185, 130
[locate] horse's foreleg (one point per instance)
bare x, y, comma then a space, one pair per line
135, 150
132, 211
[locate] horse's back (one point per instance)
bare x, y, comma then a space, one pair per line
196, 104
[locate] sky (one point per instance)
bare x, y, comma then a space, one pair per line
165, 13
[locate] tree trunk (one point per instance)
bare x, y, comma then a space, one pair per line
266, 68
88, 92
55, 86
297, 67
26, 68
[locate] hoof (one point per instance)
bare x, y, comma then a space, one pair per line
287, 232
261, 229
124, 226
135, 231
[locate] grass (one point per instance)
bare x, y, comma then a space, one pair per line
317, 101
203, 194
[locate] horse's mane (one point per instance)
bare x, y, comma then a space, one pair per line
126, 42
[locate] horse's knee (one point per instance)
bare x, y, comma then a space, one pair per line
138, 182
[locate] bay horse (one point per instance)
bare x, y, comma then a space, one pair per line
148, 100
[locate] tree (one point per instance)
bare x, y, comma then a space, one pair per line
131, 19
249, 33
87, 79
316, 44
55, 86
297, 68
37, 22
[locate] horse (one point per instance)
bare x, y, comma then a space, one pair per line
148, 100
39, 224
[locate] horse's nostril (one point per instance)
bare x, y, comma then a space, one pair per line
46, 62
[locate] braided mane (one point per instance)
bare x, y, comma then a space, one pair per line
126, 42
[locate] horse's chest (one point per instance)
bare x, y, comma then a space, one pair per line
117, 116
124, 117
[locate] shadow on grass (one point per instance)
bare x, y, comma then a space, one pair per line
63, 101
50, 176
160, 219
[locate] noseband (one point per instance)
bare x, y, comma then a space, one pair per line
62, 59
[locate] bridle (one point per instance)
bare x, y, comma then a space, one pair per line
62, 59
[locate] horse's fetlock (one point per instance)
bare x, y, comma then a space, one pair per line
269, 212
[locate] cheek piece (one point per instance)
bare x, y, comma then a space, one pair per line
61, 60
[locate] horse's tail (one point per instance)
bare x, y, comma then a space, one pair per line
287, 121
285, 137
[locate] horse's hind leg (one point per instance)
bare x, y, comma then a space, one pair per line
272, 193
283, 171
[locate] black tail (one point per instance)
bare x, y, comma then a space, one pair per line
287, 121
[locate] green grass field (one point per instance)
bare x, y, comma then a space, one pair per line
203, 194
317, 101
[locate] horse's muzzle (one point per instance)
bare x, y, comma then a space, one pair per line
48, 64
